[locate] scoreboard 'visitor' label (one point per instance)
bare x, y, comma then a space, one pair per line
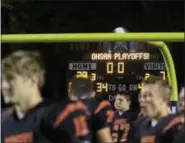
155, 66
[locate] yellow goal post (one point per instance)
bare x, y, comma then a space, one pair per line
155, 39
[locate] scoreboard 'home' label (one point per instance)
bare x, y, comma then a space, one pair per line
82, 66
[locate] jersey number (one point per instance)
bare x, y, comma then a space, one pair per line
126, 131
110, 115
81, 128
123, 127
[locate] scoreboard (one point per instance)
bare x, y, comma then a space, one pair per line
114, 72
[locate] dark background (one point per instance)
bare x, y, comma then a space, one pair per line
75, 17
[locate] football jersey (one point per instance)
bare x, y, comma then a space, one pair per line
121, 126
134, 132
146, 132
65, 122
19, 127
101, 114
156, 133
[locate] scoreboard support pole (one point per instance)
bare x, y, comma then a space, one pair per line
155, 39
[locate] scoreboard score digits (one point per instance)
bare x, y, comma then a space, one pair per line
147, 75
85, 74
106, 87
110, 67
117, 72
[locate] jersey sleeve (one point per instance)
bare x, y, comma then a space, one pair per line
103, 115
170, 129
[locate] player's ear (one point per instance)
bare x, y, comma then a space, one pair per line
41, 79
68, 90
93, 94
129, 101
69, 93
35, 80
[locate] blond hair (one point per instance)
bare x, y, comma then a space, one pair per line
162, 85
22, 63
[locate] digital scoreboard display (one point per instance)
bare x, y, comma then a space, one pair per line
114, 72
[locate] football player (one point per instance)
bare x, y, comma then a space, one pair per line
179, 138
101, 111
65, 122
22, 77
23, 73
140, 118
171, 129
123, 118
158, 94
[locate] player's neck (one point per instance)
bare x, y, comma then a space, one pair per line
163, 113
142, 112
31, 102
154, 122
120, 112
